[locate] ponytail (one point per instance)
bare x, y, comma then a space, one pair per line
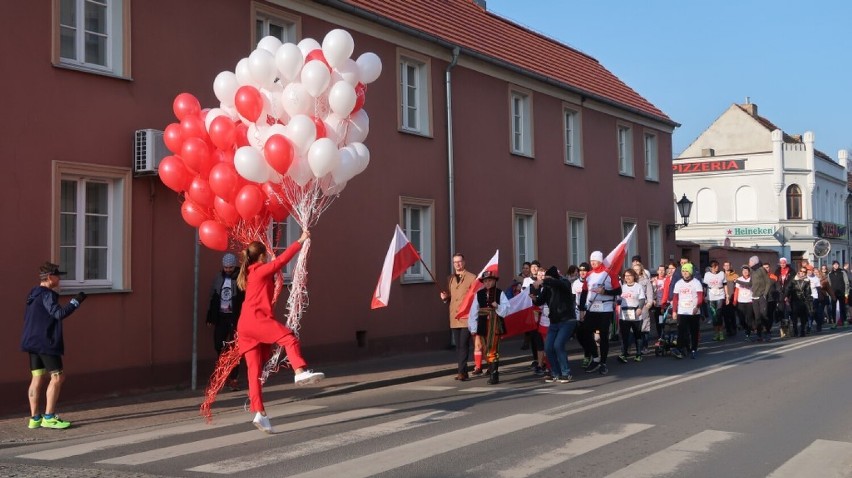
249, 256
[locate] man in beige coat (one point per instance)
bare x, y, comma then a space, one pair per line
457, 286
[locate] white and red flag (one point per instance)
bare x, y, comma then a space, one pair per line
467, 302
520, 317
615, 259
401, 255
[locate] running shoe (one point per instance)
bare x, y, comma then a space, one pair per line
637, 358
549, 379
586, 361
676, 353
477, 371
308, 377
603, 370
593, 367
622, 358
54, 422
262, 423
693, 354
564, 379
34, 423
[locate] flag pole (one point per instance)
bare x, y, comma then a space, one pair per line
430, 274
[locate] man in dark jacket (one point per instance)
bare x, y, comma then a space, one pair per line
226, 301
798, 295
42, 340
556, 293
840, 285
761, 287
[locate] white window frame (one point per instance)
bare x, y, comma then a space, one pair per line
520, 122
117, 34
572, 136
423, 241
632, 244
624, 145
652, 157
292, 232
655, 246
420, 102
291, 25
577, 238
524, 240
118, 224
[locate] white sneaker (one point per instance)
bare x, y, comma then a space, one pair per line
307, 377
262, 423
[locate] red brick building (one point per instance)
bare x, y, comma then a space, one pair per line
542, 153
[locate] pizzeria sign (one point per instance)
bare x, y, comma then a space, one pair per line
709, 166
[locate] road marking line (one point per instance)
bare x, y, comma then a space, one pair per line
238, 438
275, 456
402, 455
668, 460
481, 389
193, 427
822, 457
428, 388
556, 391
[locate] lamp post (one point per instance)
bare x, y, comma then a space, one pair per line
684, 208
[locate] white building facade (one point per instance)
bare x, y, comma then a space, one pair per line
755, 186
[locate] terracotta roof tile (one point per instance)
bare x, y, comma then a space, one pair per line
463, 23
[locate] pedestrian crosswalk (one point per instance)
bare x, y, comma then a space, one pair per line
420, 435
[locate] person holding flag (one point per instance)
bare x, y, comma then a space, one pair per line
598, 300
457, 286
487, 311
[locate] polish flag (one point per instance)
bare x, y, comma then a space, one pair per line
467, 302
401, 255
521, 316
615, 259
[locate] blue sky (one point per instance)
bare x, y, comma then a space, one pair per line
694, 59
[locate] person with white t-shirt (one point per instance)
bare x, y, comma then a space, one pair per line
743, 300
632, 302
686, 309
715, 281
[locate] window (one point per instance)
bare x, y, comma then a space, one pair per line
523, 225
93, 35
417, 226
282, 234
794, 202
655, 247
93, 225
652, 168
414, 94
632, 245
576, 239
521, 122
571, 121
625, 158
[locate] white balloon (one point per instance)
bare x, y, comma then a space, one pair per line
335, 128
342, 98
362, 154
289, 60
261, 65
256, 135
315, 77
308, 45
299, 171
337, 46
330, 187
369, 67
230, 111
296, 100
347, 167
243, 73
302, 132
323, 157
274, 129
211, 115
269, 43
250, 164
347, 71
359, 127
225, 87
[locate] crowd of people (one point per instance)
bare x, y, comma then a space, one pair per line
644, 310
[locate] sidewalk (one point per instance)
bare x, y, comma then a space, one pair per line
168, 407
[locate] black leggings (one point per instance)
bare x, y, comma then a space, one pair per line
688, 331
624, 329
598, 321
746, 316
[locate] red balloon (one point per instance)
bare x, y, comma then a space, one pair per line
193, 127
249, 201
201, 193
213, 235
249, 102
220, 156
186, 105
193, 214
242, 136
317, 55
278, 152
226, 213
196, 155
321, 132
173, 137
277, 203
174, 174
224, 181
360, 96
223, 133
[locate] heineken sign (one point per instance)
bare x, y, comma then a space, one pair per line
751, 231
709, 166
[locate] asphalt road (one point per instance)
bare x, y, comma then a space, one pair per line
739, 410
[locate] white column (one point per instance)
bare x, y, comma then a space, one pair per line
808, 209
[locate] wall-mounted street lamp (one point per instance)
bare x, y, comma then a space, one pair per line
684, 207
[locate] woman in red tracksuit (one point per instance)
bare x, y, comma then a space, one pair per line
257, 328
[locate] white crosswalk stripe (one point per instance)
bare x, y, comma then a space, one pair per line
668, 460
560, 391
831, 458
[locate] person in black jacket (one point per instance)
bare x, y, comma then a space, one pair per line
797, 293
42, 339
226, 301
556, 293
840, 285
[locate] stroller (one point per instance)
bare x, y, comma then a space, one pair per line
668, 339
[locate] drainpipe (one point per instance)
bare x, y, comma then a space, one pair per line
451, 178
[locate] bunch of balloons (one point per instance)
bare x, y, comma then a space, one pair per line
287, 136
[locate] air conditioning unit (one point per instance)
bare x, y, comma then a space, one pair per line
148, 150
